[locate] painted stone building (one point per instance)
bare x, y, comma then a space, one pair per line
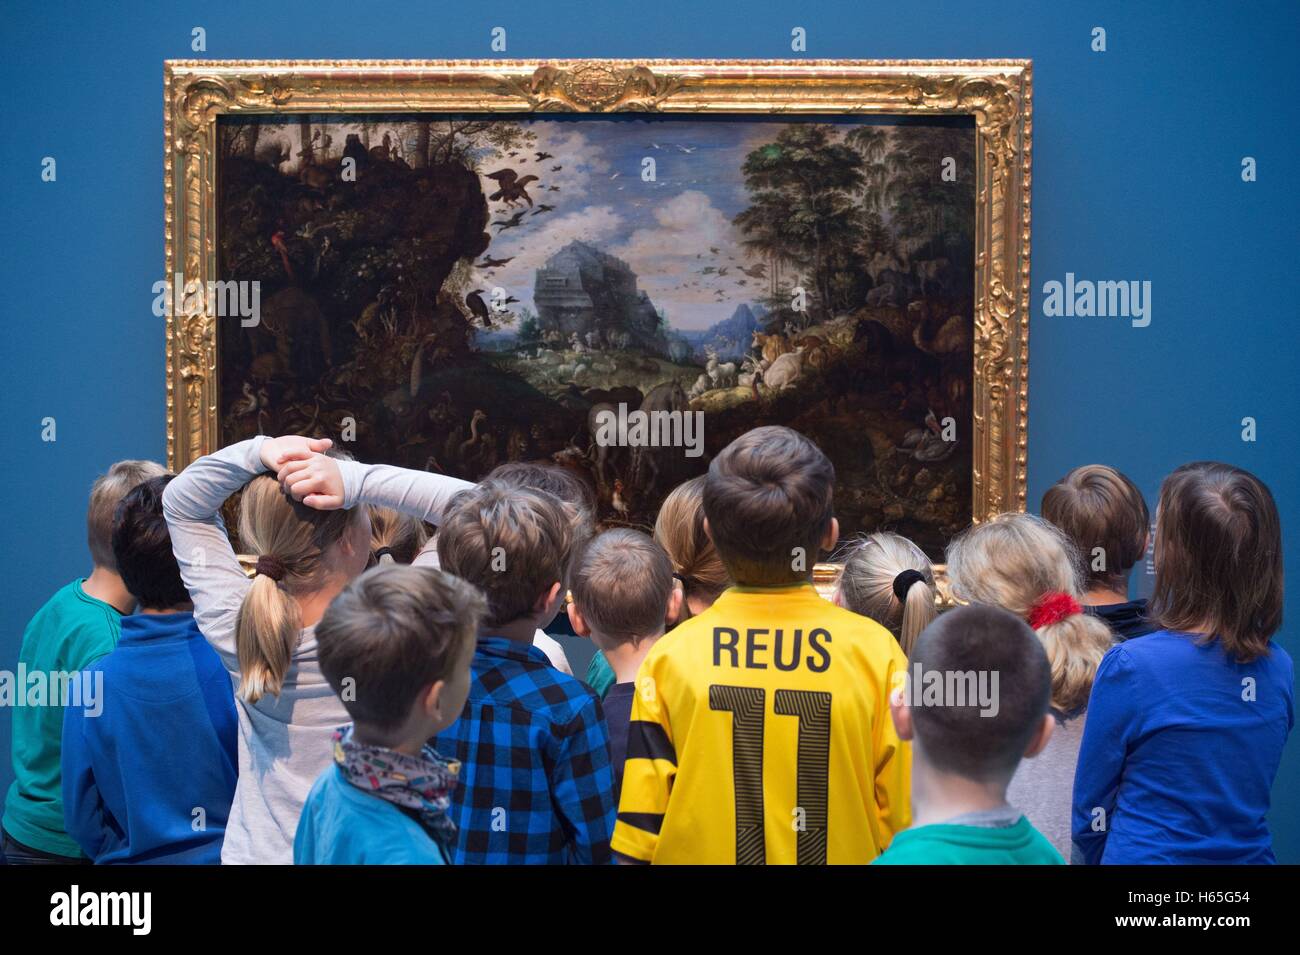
582, 290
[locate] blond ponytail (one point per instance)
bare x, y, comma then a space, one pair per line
872, 564
1012, 562
266, 633
1074, 648
289, 540
395, 537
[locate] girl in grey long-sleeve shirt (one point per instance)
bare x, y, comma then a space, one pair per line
287, 710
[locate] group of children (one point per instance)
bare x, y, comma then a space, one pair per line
379, 692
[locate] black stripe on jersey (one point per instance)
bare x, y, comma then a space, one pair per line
646, 740
648, 821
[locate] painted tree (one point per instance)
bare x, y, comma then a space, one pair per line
812, 177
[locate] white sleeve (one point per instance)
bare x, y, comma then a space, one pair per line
213, 576
419, 493
554, 652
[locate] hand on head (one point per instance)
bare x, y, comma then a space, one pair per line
275, 451
304, 472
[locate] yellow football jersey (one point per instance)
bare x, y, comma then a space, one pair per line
761, 734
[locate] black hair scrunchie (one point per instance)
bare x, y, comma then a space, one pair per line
903, 583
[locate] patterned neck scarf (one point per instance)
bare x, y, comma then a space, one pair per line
418, 785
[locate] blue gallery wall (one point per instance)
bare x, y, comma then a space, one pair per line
1136, 162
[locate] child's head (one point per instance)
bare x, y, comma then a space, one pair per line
106, 493
551, 478
142, 549
767, 500
299, 551
889, 579
621, 583
1106, 517
974, 740
400, 639
1023, 564
679, 530
512, 543
395, 537
1218, 558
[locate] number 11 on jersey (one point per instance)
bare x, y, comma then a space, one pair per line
748, 706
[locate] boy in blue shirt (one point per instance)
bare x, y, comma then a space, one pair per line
396, 646
538, 786
149, 769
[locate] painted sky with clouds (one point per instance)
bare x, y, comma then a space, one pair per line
663, 229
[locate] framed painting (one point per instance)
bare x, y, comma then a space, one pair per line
614, 266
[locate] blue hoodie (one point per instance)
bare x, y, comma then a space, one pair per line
150, 758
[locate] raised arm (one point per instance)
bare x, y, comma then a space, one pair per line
327, 483
192, 507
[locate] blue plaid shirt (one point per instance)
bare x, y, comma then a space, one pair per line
536, 781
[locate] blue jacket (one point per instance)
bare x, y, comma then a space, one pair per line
150, 758
342, 825
1179, 753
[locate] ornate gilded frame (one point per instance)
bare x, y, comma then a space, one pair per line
997, 93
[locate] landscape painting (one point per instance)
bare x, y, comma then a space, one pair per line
452, 292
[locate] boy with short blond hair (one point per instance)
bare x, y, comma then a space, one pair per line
536, 782
767, 736
395, 645
76, 627
620, 593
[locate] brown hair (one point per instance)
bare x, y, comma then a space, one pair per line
1101, 510
962, 737
1219, 558
395, 536
768, 501
510, 542
621, 581
142, 548
679, 530
551, 478
871, 565
394, 631
295, 537
105, 494
1014, 560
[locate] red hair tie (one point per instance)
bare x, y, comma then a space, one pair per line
1052, 608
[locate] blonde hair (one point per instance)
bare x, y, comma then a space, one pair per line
1011, 562
105, 494
866, 585
294, 537
679, 530
395, 537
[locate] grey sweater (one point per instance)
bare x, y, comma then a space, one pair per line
1043, 787
285, 742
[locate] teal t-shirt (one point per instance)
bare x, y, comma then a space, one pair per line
341, 825
600, 675
69, 633
944, 844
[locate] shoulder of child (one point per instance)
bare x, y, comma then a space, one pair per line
569, 700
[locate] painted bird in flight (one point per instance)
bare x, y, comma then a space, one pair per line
512, 223
512, 186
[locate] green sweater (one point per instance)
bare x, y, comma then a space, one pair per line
600, 675
944, 844
69, 633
